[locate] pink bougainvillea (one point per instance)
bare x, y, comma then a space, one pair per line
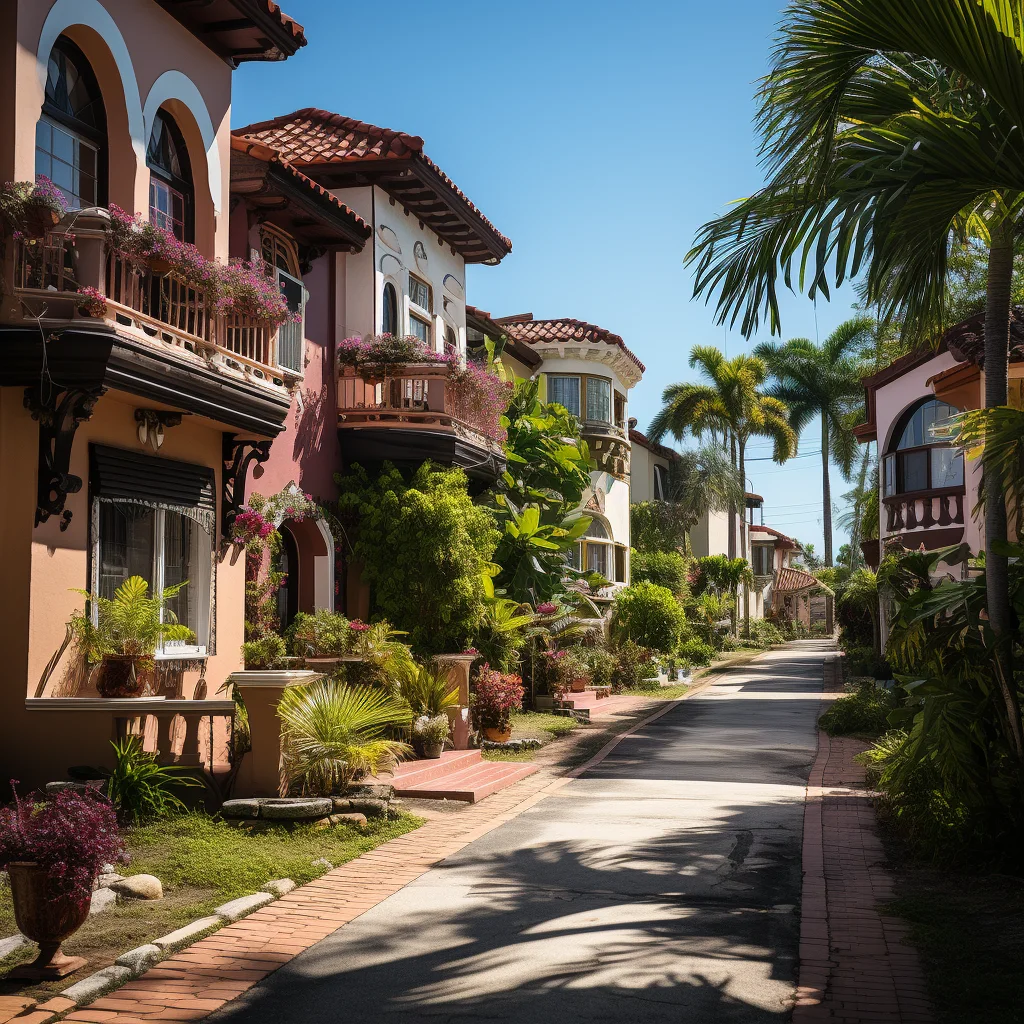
258, 518
92, 301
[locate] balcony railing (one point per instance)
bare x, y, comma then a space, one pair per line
150, 303
416, 397
924, 510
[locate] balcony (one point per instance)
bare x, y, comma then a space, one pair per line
933, 518
414, 413
155, 335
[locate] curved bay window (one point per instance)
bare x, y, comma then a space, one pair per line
171, 196
389, 316
598, 553
916, 460
71, 133
587, 398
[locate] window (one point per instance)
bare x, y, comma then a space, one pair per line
596, 553
763, 558
421, 294
620, 410
918, 461
155, 518
71, 133
451, 340
420, 329
599, 400
565, 391
281, 257
660, 483
389, 315
170, 179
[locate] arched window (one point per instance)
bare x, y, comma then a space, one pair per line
71, 133
597, 553
171, 196
917, 460
281, 257
451, 340
389, 318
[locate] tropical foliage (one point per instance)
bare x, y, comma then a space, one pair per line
666, 569
648, 615
140, 788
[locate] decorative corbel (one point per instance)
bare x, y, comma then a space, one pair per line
59, 412
308, 254
239, 456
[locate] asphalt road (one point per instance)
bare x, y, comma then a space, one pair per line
661, 886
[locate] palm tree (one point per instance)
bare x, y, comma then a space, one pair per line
702, 480
728, 404
823, 382
892, 131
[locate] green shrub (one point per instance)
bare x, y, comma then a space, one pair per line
662, 568
324, 634
862, 661
648, 615
140, 788
765, 634
600, 663
696, 652
264, 653
865, 711
633, 664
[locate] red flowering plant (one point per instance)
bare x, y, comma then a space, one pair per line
244, 288
478, 397
259, 517
562, 669
69, 834
92, 302
495, 696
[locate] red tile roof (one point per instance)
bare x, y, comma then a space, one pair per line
781, 538
297, 31
794, 580
312, 137
565, 330
636, 437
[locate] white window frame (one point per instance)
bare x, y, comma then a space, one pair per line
299, 325
178, 651
427, 323
580, 391
428, 309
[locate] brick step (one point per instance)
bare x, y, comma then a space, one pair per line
412, 772
469, 785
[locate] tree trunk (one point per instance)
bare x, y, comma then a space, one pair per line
858, 510
743, 536
732, 506
997, 583
826, 504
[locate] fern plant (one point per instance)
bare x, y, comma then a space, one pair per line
140, 788
131, 624
332, 732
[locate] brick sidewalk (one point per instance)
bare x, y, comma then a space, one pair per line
856, 965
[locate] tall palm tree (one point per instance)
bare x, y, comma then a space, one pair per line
823, 382
891, 130
729, 404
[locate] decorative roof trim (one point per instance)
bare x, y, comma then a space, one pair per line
565, 330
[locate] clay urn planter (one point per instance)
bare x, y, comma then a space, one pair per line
123, 676
579, 685
46, 920
497, 735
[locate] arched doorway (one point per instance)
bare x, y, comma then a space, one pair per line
288, 605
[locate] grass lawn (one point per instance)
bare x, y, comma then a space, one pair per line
533, 725
969, 930
202, 863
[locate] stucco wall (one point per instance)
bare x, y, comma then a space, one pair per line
641, 472
143, 59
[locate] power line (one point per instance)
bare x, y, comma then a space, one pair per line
768, 458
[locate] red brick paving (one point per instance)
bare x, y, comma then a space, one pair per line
856, 965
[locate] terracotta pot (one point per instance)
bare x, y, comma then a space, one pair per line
432, 751
46, 920
579, 685
497, 735
120, 676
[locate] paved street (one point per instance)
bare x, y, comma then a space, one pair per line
662, 885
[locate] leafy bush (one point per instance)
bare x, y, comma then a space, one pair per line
332, 732
424, 547
503, 632
562, 668
600, 663
862, 661
140, 788
324, 634
495, 696
266, 652
633, 664
865, 711
71, 835
663, 568
648, 615
765, 634
427, 690
696, 652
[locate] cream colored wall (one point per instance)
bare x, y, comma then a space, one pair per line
641, 472
142, 59
711, 535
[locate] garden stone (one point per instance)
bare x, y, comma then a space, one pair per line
98, 984
295, 809
322, 862
107, 878
101, 899
187, 935
280, 886
139, 959
240, 808
243, 906
322, 823
139, 887
376, 791
348, 819
11, 943
370, 807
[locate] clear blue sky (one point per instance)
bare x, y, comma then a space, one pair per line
598, 136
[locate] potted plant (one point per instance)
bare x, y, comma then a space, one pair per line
321, 638
430, 734
495, 696
32, 207
53, 852
123, 635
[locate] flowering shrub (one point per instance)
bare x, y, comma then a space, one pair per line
70, 835
479, 397
93, 301
19, 199
547, 608
495, 696
358, 627
258, 519
381, 353
246, 289
562, 668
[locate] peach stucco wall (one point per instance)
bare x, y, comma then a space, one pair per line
143, 59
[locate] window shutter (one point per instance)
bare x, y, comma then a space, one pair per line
117, 473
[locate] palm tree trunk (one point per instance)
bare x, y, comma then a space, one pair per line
826, 503
732, 505
997, 582
743, 535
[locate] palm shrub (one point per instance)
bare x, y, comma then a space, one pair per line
505, 629
426, 689
331, 733
140, 788
666, 569
648, 615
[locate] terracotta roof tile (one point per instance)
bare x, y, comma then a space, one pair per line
777, 535
312, 136
566, 330
297, 31
636, 437
791, 580
967, 340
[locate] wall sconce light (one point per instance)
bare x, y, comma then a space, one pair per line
152, 425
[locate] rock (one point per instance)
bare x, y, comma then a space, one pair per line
139, 887
187, 935
295, 809
11, 943
370, 807
322, 862
279, 886
244, 905
108, 878
341, 804
353, 818
322, 822
375, 791
240, 808
96, 985
139, 959
101, 899
93, 787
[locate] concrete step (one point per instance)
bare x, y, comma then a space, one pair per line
469, 785
410, 773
